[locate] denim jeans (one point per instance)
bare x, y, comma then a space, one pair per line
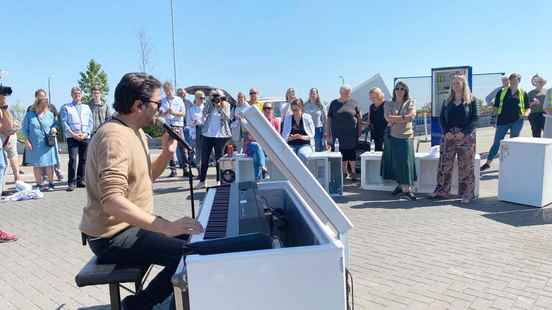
255, 151
136, 246
500, 133
319, 141
180, 154
303, 151
192, 142
3, 166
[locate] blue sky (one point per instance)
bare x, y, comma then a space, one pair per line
270, 44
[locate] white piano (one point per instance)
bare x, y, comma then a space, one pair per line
305, 268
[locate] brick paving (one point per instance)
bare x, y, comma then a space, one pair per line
405, 255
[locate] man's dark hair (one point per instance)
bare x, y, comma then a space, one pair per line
95, 88
132, 87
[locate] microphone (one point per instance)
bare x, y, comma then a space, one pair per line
160, 122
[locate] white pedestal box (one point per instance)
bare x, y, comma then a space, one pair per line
426, 169
370, 173
326, 168
526, 171
547, 126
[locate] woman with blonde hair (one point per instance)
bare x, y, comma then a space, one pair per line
194, 120
238, 132
459, 116
317, 110
38, 125
284, 108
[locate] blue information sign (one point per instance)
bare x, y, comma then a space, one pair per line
441, 79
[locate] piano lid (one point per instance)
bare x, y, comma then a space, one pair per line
296, 172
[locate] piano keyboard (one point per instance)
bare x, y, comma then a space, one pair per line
218, 218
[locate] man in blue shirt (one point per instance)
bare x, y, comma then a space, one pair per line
77, 123
173, 110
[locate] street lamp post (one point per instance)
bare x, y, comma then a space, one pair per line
49, 90
342, 80
173, 46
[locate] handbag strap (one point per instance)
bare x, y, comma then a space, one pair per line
42, 127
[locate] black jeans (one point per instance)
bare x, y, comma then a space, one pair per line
135, 246
76, 148
207, 145
537, 123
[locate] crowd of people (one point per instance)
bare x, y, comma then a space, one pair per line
210, 123
40, 130
119, 222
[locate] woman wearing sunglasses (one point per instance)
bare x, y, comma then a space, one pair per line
298, 130
194, 120
254, 150
398, 162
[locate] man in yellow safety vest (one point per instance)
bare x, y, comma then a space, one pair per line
511, 107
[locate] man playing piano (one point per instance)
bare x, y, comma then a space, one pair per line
118, 220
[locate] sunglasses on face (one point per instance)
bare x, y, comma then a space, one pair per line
400, 88
295, 110
252, 93
267, 109
4, 107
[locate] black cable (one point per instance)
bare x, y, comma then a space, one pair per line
350, 290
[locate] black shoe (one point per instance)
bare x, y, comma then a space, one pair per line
81, 184
173, 174
70, 187
51, 187
396, 191
409, 196
484, 167
186, 174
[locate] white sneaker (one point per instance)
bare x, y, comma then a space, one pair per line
200, 185
21, 186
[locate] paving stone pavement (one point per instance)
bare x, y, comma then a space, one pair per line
405, 255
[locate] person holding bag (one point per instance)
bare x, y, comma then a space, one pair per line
39, 128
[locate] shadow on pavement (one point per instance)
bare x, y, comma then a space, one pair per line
357, 198
522, 218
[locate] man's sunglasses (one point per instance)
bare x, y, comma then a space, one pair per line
4, 107
146, 101
252, 93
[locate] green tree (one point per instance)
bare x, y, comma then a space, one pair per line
19, 111
93, 77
